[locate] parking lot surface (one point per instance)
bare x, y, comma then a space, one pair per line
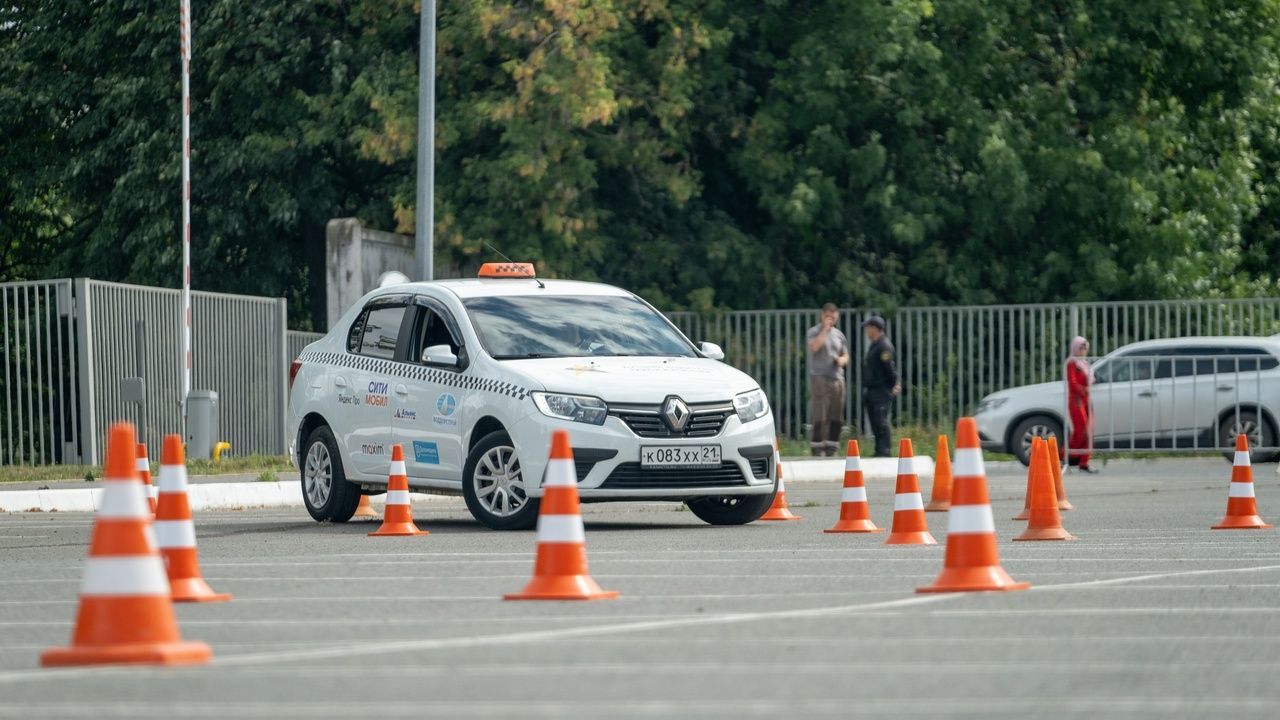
1147, 614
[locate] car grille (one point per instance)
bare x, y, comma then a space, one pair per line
704, 421
759, 466
630, 476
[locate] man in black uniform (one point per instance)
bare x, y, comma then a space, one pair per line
879, 382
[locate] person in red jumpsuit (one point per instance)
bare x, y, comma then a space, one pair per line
1079, 378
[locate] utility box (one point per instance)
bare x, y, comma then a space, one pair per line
202, 423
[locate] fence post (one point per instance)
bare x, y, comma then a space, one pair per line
282, 323
88, 425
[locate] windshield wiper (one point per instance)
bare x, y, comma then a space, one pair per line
528, 356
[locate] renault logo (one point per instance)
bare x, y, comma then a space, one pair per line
676, 413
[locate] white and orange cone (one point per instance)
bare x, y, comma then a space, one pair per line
910, 527
144, 472
855, 514
973, 560
560, 568
397, 518
1056, 456
779, 510
1242, 505
175, 531
364, 509
126, 615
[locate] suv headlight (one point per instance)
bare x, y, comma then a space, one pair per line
989, 404
578, 408
751, 405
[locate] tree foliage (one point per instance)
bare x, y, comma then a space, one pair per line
703, 153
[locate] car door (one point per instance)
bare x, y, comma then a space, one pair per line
1126, 400
364, 385
427, 406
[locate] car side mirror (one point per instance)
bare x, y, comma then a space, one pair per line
440, 356
711, 350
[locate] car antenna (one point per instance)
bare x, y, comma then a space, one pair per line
504, 257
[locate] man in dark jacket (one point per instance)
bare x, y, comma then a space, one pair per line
879, 382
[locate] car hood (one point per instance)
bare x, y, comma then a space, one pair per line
635, 379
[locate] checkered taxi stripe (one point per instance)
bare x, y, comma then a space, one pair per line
416, 372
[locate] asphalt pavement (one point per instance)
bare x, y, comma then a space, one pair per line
1148, 614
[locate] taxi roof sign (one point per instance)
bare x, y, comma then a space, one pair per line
507, 270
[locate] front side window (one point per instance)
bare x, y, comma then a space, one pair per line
531, 326
375, 332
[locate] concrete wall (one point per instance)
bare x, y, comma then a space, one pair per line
356, 257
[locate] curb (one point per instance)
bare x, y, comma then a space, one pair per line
832, 469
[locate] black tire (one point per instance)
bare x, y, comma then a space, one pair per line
1259, 430
342, 497
1045, 426
522, 519
730, 509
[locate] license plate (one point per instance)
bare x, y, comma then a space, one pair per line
668, 456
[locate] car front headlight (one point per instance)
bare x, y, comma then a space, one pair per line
751, 405
989, 404
578, 408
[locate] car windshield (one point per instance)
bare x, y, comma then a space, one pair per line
525, 326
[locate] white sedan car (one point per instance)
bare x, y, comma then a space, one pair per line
471, 376
1196, 392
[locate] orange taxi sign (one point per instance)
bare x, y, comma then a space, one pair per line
507, 270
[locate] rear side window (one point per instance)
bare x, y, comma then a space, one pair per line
375, 332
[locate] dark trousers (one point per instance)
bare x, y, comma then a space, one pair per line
876, 401
826, 412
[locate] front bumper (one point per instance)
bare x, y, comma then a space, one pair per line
608, 460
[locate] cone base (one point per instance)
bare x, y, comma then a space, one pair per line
854, 526
776, 514
195, 590
1023, 516
938, 506
910, 538
974, 579
365, 514
398, 530
1057, 533
177, 653
562, 587
1065, 506
1242, 522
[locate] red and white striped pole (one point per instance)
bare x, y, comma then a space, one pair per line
186, 204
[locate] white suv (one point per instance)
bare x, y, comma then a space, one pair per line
471, 376
1187, 393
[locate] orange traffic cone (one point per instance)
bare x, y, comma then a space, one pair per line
397, 518
1045, 521
855, 515
940, 500
1031, 469
364, 509
175, 531
973, 561
909, 524
1055, 455
1242, 508
560, 569
125, 616
144, 471
778, 510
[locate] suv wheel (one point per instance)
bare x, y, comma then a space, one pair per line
1035, 426
493, 484
730, 509
325, 490
1248, 423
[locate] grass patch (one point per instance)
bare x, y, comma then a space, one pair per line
924, 440
261, 465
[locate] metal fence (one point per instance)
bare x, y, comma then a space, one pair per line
67, 345
951, 357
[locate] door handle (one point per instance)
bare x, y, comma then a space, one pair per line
1226, 388
401, 389
1147, 394
340, 381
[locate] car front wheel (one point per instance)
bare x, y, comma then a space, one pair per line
1042, 426
494, 485
325, 489
730, 509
